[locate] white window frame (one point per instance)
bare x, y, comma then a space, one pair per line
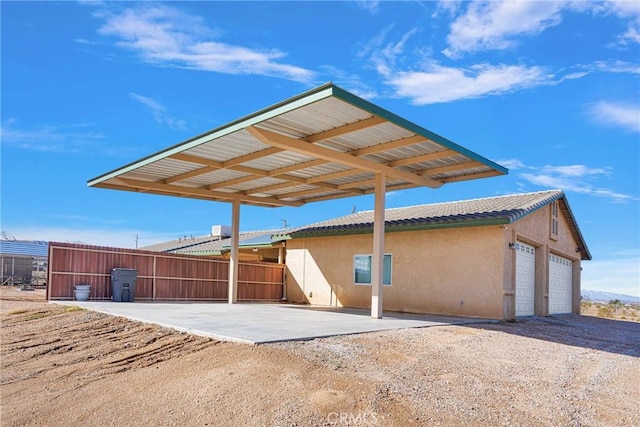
371, 266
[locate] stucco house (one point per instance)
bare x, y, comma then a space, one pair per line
496, 257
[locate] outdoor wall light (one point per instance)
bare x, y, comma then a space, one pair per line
512, 245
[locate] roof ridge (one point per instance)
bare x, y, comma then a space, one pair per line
462, 201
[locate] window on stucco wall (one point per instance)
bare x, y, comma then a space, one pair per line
362, 269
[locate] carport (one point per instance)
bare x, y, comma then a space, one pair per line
324, 144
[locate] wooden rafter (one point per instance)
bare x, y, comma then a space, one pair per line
231, 182
229, 164
343, 130
450, 168
415, 139
204, 193
278, 140
423, 158
472, 176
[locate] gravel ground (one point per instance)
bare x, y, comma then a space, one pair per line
61, 366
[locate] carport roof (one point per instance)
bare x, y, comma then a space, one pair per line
323, 144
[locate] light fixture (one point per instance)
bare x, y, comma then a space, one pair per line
512, 245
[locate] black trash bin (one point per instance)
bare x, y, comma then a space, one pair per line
123, 284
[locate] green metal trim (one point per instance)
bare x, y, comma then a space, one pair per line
393, 229
275, 110
199, 253
378, 111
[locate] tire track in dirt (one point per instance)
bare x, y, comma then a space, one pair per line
84, 344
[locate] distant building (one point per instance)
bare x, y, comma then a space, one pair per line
23, 261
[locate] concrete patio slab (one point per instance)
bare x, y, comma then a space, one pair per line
260, 323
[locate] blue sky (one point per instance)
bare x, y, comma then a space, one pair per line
550, 90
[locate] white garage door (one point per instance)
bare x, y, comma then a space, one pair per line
560, 285
525, 279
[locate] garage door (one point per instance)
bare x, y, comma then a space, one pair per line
525, 279
560, 285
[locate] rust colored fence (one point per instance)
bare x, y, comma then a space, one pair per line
161, 276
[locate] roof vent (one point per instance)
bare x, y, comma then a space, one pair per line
220, 231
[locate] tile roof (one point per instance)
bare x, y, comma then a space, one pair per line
205, 245
504, 209
490, 210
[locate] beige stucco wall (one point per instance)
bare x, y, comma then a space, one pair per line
468, 271
534, 229
446, 271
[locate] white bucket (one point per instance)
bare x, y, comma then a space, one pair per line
82, 292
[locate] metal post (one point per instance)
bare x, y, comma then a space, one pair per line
233, 255
378, 246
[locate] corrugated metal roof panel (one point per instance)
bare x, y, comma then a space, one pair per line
333, 121
34, 248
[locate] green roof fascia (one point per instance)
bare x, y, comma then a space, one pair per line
392, 229
198, 253
585, 249
275, 110
254, 245
378, 111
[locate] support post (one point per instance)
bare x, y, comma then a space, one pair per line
233, 255
378, 246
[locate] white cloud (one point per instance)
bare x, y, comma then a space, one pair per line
351, 82
100, 237
619, 275
626, 116
166, 37
573, 178
444, 84
84, 41
626, 9
159, 112
60, 138
494, 25
607, 67
370, 6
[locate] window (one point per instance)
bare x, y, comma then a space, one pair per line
553, 229
362, 269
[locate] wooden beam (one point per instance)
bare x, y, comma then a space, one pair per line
213, 165
304, 193
211, 195
278, 140
343, 130
251, 156
450, 168
268, 188
415, 139
354, 184
190, 174
334, 175
195, 159
231, 182
424, 158
297, 166
472, 176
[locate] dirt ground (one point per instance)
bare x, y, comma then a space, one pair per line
62, 366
